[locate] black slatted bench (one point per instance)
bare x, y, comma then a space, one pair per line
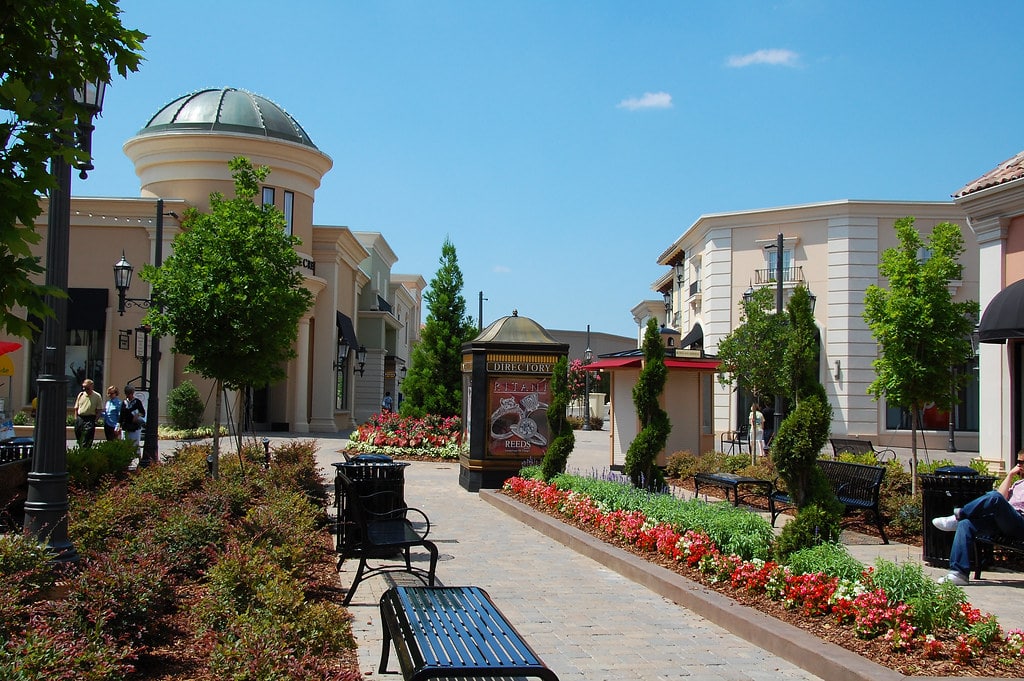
840, 445
982, 549
856, 485
454, 632
734, 482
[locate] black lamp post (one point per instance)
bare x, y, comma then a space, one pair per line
122, 280
46, 506
588, 354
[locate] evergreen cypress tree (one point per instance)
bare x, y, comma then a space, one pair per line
562, 438
434, 382
654, 424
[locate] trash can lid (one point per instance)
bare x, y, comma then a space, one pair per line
371, 458
956, 470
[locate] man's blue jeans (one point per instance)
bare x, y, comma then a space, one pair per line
989, 513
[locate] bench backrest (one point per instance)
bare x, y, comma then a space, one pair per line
854, 480
840, 445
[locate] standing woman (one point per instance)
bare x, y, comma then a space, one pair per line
132, 417
112, 413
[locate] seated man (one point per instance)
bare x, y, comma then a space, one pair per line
999, 511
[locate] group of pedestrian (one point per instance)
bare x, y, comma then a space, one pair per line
122, 419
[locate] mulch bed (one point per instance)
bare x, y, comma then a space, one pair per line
827, 629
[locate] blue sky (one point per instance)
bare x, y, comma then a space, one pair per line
562, 146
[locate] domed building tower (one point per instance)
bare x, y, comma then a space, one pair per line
183, 152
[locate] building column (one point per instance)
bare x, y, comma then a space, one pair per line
995, 402
300, 384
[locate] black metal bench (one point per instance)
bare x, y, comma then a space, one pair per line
840, 445
736, 439
733, 482
453, 633
856, 485
382, 529
982, 550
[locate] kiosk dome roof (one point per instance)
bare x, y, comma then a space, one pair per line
228, 110
514, 329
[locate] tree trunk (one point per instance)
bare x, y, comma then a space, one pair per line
215, 463
913, 449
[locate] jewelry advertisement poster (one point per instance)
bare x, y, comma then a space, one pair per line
518, 421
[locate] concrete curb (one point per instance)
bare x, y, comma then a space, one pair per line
823, 659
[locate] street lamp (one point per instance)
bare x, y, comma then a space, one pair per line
361, 358
122, 280
778, 246
46, 506
588, 354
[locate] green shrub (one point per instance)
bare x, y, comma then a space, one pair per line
88, 465
830, 558
185, 406
186, 537
812, 525
21, 418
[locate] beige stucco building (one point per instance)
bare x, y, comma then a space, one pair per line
180, 157
994, 204
834, 249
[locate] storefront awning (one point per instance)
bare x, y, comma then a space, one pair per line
635, 361
1004, 316
346, 330
696, 336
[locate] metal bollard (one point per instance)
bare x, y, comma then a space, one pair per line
209, 465
266, 452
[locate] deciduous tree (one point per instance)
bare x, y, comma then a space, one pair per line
47, 50
922, 333
231, 294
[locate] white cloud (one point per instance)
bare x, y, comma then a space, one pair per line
502, 269
773, 57
650, 100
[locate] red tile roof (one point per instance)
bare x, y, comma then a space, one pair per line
1010, 169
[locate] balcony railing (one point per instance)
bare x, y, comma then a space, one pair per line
790, 275
694, 288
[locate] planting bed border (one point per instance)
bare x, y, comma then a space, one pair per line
803, 649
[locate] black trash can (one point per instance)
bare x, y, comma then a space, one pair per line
370, 474
942, 491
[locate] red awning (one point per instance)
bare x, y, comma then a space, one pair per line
615, 363
691, 363
634, 362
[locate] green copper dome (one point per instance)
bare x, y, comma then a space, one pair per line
228, 110
515, 329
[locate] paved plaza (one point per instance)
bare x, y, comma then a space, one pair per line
583, 618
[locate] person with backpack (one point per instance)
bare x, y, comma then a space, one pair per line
387, 404
133, 417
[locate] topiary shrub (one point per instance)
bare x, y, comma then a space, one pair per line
562, 438
185, 406
812, 526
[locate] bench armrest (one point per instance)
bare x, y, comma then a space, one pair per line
400, 514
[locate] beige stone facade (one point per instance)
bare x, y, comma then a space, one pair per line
833, 248
182, 156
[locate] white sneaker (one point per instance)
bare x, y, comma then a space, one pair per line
958, 578
945, 523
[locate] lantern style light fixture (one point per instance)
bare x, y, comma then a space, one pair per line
361, 358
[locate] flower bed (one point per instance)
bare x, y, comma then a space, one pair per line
430, 437
935, 633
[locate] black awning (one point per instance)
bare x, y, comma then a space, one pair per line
1004, 316
87, 309
694, 337
347, 331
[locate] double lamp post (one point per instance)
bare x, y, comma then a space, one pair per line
46, 506
122, 281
